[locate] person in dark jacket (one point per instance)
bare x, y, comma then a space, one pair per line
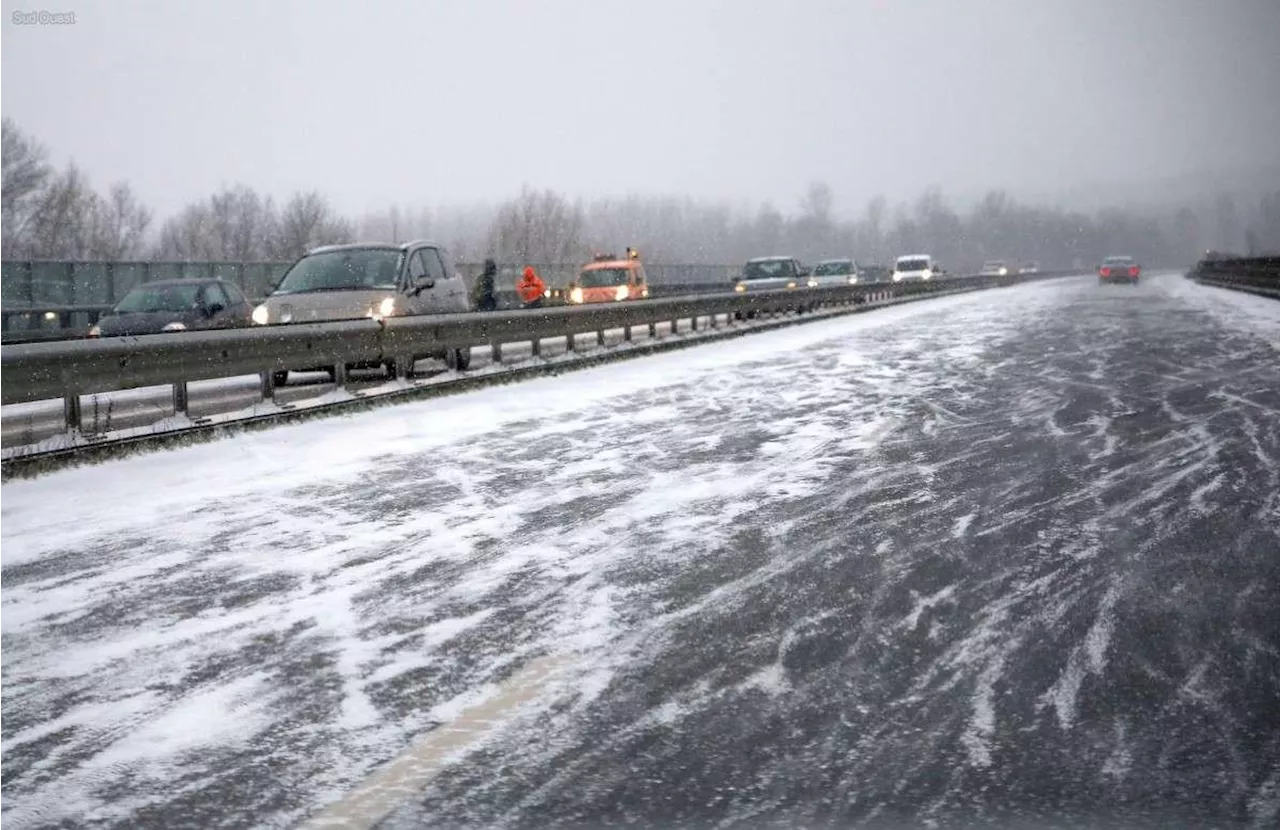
482, 291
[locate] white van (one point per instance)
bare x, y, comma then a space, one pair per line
915, 267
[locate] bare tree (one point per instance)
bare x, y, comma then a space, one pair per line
186, 236
305, 222
241, 222
61, 223
119, 225
817, 202
26, 172
538, 227
872, 243
234, 224
1268, 230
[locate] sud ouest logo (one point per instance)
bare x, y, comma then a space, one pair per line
44, 18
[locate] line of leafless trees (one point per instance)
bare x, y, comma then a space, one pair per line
49, 214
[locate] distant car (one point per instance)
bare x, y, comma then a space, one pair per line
770, 274
916, 267
875, 273
994, 268
834, 272
1119, 269
1030, 268
176, 305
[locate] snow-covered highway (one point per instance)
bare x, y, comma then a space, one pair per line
1009, 558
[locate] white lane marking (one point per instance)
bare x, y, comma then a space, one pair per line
408, 774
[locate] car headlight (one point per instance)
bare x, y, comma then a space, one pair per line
260, 315
1004, 271
791, 284
387, 307
575, 296
621, 293
740, 287
95, 331
897, 277
813, 283
853, 280
174, 327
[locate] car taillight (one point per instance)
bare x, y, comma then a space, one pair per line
1106, 272
1133, 271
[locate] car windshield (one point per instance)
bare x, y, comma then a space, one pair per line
1118, 260
834, 268
763, 269
346, 270
152, 298
601, 277
913, 264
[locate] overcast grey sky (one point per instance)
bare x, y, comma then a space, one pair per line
424, 102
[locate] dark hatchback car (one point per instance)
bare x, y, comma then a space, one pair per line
176, 305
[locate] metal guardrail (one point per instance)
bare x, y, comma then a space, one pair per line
1255, 275
68, 370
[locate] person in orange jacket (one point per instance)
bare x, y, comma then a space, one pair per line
531, 288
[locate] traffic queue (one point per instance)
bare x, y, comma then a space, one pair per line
379, 280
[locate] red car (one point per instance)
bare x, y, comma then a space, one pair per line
1119, 269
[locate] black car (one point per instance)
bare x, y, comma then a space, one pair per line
875, 273
176, 305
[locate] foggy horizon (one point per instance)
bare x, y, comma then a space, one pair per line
713, 101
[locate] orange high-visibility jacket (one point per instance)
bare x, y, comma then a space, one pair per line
530, 286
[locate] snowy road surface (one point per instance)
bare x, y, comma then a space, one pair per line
1002, 559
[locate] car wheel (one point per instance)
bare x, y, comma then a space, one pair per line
457, 360
401, 367
279, 378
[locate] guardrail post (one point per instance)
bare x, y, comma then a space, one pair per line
626, 334
653, 330
535, 347
599, 337
495, 351
340, 375
180, 398
268, 386
693, 322
569, 344
71, 412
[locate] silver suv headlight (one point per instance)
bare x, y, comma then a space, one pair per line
261, 316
